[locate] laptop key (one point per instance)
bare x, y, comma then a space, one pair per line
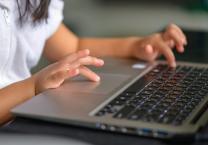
118, 102
137, 114
127, 94
124, 112
139, 84
167, 119
100, 113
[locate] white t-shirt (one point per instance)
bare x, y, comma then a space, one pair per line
22, 46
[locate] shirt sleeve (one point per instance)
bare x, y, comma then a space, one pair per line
55, 16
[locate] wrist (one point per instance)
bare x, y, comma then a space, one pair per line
131, 43
30, 83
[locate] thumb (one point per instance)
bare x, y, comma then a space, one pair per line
149, 49
150, 52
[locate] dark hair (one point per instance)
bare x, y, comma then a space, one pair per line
38, 12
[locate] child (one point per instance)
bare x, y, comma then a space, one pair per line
29, 28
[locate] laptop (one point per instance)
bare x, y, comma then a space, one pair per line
133, 97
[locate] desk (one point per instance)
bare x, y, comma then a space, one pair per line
195, 50
95, 137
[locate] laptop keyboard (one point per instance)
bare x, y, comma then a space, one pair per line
164, 95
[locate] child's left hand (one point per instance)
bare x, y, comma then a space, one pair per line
149, 48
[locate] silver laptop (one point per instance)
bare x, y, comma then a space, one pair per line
133, 98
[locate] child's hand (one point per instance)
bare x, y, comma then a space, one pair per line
55, 74
149, 48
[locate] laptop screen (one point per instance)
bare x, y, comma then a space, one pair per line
197, 48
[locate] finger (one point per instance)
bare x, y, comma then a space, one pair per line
65, 63
89, 74
91, 61
77, 55
174, 35
171, 43
167, 52
72, 73
66, 74
86, 61
180, 33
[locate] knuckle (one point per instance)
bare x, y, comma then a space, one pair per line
171, 26
157, 36
171, 31
54, 77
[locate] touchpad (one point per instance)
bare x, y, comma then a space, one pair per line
109, 82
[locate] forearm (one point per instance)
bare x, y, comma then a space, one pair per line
62, 43
118, 47
14, 95
65, 42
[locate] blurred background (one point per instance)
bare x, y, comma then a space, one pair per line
133, 17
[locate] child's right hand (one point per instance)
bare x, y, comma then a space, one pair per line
55, 74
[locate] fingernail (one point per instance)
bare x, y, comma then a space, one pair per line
173, 64
101, 62
181, 49
97, 79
